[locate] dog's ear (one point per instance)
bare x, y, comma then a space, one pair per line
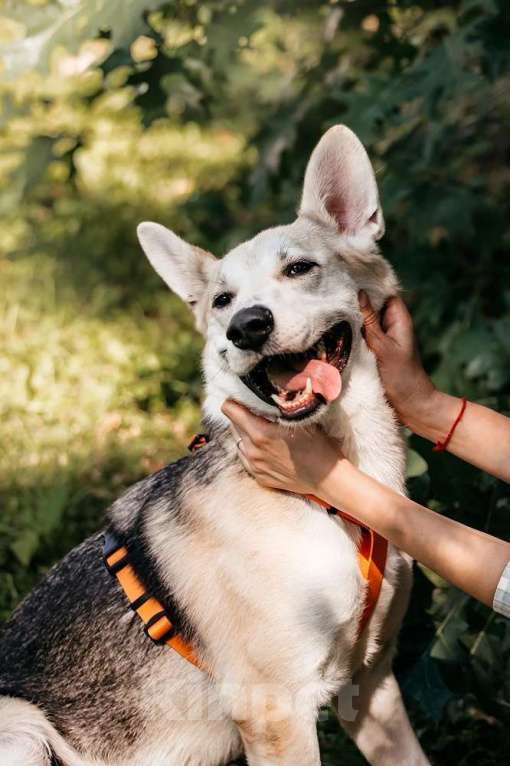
185, 268
340, 187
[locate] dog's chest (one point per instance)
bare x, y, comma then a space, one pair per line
278, 568
291, 552
301, 580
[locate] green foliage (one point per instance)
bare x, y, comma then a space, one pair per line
202, 116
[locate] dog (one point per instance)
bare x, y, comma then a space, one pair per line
264, 585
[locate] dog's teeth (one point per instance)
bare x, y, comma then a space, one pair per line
308, 387
321, 349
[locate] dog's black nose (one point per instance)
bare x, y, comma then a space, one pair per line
250, 328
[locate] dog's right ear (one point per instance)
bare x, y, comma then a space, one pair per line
185, 268
340, 188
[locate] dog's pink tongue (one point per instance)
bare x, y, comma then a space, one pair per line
326, 380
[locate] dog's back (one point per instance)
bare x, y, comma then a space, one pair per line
75, 655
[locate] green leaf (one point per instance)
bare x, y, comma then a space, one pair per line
25, 546
425, 685
416, 465
68, 24
434, 578
487, 6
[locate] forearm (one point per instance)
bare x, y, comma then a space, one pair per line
471, 560
482, 437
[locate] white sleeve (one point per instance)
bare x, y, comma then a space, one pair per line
501, 602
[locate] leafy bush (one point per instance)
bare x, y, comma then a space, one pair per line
202, 116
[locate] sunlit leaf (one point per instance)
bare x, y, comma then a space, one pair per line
416, 465
68, 23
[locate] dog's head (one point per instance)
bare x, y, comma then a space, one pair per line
280, 312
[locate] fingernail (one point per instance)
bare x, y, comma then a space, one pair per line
363, 299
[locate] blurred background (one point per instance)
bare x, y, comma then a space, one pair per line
202, 115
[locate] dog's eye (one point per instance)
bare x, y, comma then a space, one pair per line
221, 300
298, 267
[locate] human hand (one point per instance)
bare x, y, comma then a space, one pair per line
295, 460
407, 385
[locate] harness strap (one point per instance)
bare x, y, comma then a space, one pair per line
158, 625
372, 555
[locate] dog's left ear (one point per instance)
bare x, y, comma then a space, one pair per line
340, 187
185, 268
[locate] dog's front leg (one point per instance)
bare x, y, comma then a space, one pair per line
290, 742
276, 728
381, 728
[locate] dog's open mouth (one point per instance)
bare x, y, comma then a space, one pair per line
299, 383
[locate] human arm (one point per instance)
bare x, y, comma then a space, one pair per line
282, 459
469, 559
482, 436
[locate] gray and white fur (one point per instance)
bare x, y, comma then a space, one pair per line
264, 584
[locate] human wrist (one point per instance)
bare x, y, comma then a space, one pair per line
420, 410
433, 419
347, 488
336, 483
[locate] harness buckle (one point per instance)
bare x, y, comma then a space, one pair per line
115, 555
199, 440
162, 633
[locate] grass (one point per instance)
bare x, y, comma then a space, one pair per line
90, 400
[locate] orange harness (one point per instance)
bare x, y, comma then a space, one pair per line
158, 625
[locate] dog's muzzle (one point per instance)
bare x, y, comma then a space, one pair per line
299, 383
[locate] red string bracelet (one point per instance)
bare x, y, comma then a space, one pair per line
442, 446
